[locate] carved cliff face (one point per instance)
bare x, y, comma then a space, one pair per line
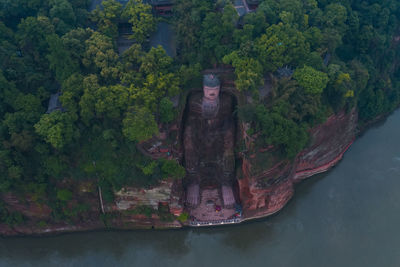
209, 139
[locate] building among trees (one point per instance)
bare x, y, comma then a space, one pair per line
54, 103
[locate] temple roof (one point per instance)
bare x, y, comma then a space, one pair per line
284, 72
164, 36
54, 103
253, 2
241, 7
160, 2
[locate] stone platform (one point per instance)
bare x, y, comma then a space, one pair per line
211, 207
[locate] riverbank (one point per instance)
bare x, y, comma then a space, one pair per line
347, 216
270, 200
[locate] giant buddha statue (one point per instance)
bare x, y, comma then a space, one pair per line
209, 142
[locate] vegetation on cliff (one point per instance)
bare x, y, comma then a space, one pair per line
323, 56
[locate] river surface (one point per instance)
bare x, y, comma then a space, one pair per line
349, 216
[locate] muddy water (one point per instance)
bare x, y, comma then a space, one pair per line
349, 216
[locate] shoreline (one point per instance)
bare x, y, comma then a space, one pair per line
59, 229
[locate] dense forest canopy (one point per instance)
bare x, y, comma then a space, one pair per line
326, 56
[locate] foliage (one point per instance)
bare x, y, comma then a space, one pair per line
57, 128
143, 209
140, 16
171, 168
9, 217
139, 125
107, 17
167, 112
281, 131
313, 81
343, 54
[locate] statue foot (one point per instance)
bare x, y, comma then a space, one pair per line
193, 195
227, 196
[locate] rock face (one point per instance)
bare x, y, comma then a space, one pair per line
329, 141
262, 191
266, 193
166, 193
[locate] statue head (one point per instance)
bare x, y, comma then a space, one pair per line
211, 86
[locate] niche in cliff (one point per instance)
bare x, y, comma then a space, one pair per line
209, 130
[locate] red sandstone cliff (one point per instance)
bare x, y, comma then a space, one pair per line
266, 193
263, 191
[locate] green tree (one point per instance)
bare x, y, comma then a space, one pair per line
139, 125
107, 18
155, 61
60, 59
101, 57
72, 90
281, 45
140, 16
280, 131
88, 100
313, 81
248, 71
32, 33
63, 15
167, 112
57, 128
171, 168
111, 101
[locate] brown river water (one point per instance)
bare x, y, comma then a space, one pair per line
349, 216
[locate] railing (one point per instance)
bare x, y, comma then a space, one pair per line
217, 222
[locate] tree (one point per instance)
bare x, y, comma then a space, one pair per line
88, 100
190, 14
313, 81
141, 18
248, 71
155, 61
72, 90
154, 88
101, 57
107, 18
32, 33
171, 168
139, 125
75, 42
63, 15
281, 45
216, 34
57, 128
280, 131
111, 101
27, 111
60, 59
167, 111
335, 17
